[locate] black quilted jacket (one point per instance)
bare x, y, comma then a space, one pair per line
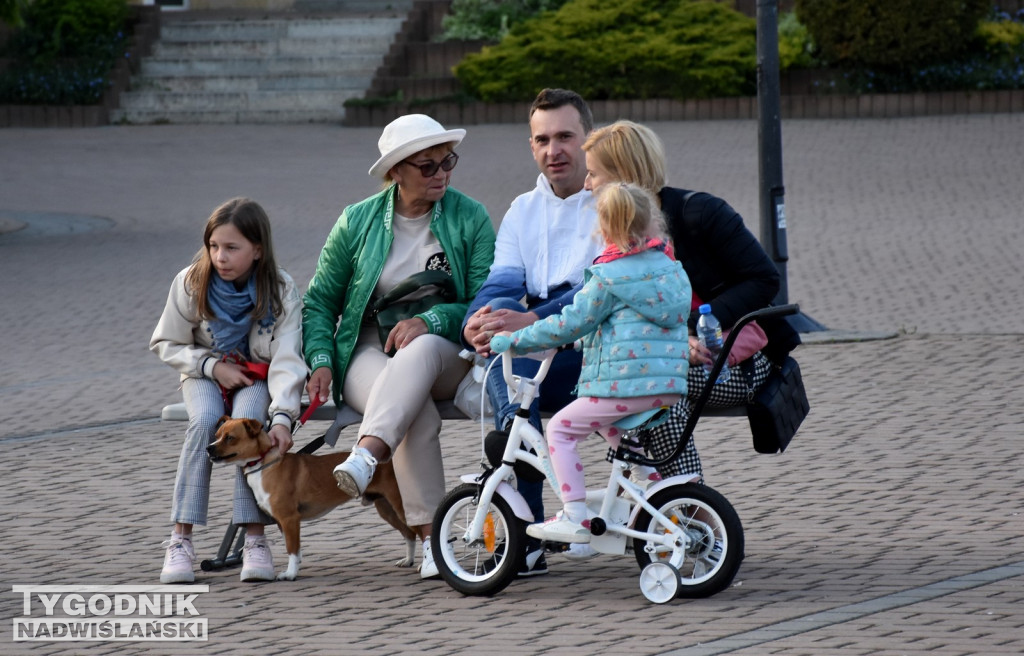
726, 264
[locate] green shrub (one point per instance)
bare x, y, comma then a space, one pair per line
627, 49
68, 28
891, 34
490, 20
795, 45
11, 12
64, 51
1001, 36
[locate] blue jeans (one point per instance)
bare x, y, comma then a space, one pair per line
556, 392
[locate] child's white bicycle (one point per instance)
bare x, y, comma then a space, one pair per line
686, 537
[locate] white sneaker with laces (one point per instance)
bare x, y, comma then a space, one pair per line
257, 561
428, 568
178, 561
353, 475
560, 529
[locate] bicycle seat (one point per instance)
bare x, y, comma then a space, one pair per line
647, 418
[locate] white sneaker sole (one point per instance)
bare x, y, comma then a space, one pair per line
177, 577
249, 575
347, 484
538, 531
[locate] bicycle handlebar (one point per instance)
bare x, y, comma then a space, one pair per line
501, 343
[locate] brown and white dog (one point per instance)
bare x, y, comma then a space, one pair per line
300, 486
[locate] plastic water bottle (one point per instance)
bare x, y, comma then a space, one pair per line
709, 332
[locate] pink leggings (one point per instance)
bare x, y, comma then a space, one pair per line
579, 419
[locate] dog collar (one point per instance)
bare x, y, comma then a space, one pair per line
261, 467
254, 463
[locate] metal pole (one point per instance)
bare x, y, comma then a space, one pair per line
769, 136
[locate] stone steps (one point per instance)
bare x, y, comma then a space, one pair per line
349, 45
251, 101
258, 66
258, 70
358, 80
294, 28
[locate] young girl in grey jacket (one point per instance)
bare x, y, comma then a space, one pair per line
232, 329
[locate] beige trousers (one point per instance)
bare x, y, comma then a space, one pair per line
396, 397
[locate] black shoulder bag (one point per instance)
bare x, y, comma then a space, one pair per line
778, 408
389, 309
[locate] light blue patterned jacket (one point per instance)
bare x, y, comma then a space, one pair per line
631, 314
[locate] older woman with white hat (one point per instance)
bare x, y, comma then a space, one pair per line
417, 223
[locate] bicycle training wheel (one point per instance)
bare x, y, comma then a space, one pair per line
710, 562
660, 582
488, 565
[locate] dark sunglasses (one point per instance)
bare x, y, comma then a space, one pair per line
429, 169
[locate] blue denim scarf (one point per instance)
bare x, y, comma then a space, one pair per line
232, 307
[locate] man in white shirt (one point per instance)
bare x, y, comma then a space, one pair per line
546, 239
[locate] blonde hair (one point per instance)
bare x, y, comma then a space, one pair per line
252, 221
628, 215
630, 152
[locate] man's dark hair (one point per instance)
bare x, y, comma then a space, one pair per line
555, 98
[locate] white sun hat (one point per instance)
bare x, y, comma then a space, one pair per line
408, 135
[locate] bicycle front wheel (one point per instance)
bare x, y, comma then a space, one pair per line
483, 567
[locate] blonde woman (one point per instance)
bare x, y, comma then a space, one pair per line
726, 266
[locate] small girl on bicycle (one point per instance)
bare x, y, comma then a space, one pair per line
230, 316
631, 314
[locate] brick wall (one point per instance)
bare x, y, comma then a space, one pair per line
743, 108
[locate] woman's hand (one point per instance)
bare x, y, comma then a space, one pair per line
281, 438
699, 354
319, 385
404, 332
230, 375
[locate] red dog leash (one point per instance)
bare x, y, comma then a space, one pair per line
314, 403
256, 370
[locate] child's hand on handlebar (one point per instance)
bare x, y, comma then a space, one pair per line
501, 342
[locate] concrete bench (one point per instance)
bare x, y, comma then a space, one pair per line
346, 416
340, 418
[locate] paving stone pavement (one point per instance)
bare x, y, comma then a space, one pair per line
893, 524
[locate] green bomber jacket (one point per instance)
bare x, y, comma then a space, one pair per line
351, 263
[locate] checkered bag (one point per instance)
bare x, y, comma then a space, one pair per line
661, 441
740, 389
